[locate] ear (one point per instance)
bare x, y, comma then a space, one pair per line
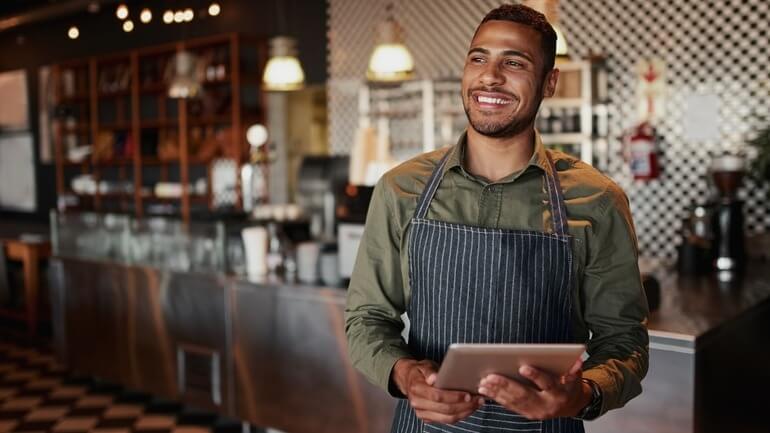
549, 84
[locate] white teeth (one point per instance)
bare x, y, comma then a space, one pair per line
488, 100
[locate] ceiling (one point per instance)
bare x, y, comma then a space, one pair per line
14, 7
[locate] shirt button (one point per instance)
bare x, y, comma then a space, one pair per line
562, 165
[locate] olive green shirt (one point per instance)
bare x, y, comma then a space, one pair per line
610, 306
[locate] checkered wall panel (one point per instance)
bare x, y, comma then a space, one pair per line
719, 48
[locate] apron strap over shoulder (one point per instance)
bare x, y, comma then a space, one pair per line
556, 199
430, 189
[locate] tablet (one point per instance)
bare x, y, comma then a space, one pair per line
466, 364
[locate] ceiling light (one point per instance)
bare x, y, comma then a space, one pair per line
128, 25
283, 71
168, 17
214, 9
391, 60
122, 12
561, 42
178, 16
188, 15
146, 15
73, 32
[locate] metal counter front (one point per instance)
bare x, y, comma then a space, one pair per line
274, 355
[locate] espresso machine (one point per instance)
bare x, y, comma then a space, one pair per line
728, 242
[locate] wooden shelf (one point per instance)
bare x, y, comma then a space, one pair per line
563, 102
114, 126
209, 120
114, 162
563, 138
143, 91
78, 97
115, 94
165, 123
157, 161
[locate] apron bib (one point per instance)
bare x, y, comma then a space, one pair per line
484, 285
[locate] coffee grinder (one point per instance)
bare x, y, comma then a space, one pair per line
729, 245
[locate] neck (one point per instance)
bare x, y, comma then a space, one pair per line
496, 158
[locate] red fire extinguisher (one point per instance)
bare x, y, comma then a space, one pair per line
641, 151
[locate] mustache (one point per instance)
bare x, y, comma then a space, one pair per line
492, 90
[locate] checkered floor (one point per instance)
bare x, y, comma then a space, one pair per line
38, 395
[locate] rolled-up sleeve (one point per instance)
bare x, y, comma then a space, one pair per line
614, 305
375, 298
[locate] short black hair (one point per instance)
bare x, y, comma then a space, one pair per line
529, 17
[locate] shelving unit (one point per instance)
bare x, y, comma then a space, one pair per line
420, 116
139, 136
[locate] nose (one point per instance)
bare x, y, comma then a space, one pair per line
491, 75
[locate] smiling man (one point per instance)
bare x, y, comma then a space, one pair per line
499, 240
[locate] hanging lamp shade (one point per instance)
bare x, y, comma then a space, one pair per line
184, 83
283, 71
391, 60
561, 42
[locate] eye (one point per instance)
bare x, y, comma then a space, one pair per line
514, 63
477, 59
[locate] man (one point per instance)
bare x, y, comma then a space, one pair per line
497, 240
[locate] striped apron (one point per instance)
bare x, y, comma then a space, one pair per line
484, 285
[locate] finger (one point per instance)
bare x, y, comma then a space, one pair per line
433, 417
543, 380
450, 409
426, 396
576, 368
504, 390
431, 379
574, 373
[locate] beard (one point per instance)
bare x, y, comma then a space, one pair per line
509, 126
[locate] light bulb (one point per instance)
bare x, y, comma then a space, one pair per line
214, 9
256, 135
128, 25
178, 16
188, 15
73, 32
146, 15
168, 17
122, 12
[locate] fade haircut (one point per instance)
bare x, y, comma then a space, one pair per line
529, 17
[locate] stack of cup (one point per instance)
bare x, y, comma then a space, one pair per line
307, 262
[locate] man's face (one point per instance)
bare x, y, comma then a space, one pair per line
503, 79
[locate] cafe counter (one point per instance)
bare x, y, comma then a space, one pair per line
274, 353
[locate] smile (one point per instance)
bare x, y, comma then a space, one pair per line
493, 101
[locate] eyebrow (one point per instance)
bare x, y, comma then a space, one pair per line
514, 53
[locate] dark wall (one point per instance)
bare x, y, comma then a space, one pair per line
40, 44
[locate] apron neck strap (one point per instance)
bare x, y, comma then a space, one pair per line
555, 196
430, 189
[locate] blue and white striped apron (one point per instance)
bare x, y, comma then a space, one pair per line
485, 285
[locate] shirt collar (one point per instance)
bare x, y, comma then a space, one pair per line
539, 158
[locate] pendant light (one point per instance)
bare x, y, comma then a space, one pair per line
283, 71
391, 60
185, 82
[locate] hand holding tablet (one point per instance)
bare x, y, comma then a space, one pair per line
466, 364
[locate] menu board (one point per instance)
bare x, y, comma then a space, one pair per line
17, 172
